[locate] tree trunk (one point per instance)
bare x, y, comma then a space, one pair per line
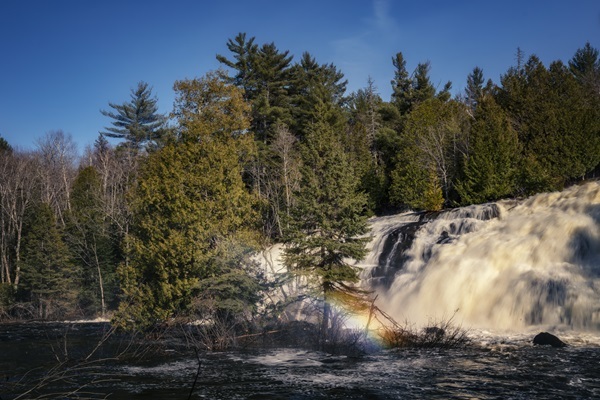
100, 281
326, 318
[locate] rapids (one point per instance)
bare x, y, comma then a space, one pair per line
507, 265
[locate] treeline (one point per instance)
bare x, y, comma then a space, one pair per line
166, 223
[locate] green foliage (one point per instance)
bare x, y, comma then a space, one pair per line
490, 169
264, 74
428, 155
7, 295
89, 237
314, 84
401, 85
234, 288
138, 121
49, 277
416, 187
190, 199
4, 146
422, 88
556, 121
270, 100
244, 51
412, 90
328, 219
475, 89
365, 125
585, 66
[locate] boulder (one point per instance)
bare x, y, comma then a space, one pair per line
548, 339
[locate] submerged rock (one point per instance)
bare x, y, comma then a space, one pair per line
548, 339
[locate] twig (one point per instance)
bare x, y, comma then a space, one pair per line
197, 373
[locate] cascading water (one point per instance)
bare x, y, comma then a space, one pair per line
502, 265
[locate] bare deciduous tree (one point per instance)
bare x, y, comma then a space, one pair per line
57, 153
17, 191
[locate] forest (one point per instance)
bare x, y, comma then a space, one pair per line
164, 224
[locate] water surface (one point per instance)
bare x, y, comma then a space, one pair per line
494, 367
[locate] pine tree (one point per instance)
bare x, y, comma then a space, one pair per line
585, 66
90, 240
474, 89
138, 121
314, 84
422, 89
264, 74
50, 281
556, 123
401, 85
328, 219
412, 90
4, 146
244, 54
490, 170
270, 104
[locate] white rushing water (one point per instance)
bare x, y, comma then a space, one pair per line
502, 266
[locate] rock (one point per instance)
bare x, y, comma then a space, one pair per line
548, 339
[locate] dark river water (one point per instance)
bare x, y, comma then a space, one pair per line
493, 367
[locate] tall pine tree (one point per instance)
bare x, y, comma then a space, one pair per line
328, 219
138, 121
490, 169
50, 280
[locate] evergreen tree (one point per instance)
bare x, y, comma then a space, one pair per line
90, 240
244, 54
138, 121
270, 105
4, 146
490, 170
412, 90
475, 89
328, 219
388, 143
556, 123
422, 88
415, 186
401, 85
49, 279
585, 66
314, 84
264, 74
190, 204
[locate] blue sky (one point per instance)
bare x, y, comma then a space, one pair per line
62, 61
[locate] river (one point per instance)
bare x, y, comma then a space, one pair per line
493, 367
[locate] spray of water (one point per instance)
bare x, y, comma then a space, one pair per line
506, 265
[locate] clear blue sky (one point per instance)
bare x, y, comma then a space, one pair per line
62, 61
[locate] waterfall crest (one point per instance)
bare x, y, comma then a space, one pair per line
503, 265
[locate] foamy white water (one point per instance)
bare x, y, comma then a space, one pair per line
537, 263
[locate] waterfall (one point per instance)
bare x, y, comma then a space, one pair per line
503, 265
